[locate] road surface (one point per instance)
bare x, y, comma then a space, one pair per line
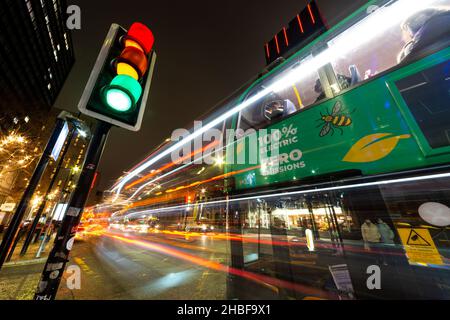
124, 266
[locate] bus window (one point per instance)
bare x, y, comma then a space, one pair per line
397, 228
276, 106
423, 33
336, 63
427, 94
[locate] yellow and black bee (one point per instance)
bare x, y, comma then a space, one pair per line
336, 120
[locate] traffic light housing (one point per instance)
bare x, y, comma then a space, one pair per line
118, 87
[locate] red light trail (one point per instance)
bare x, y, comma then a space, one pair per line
262, 279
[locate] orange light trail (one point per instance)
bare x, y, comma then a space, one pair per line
166, 197
161, 197
223, 268
270, 242
170, 165
219, 177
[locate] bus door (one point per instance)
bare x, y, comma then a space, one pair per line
251, 249
290, 248
316, 245
376, 260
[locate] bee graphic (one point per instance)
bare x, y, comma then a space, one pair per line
336, 120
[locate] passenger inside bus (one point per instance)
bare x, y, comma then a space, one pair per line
319, 90
425, 32
276, 108
273, 108
344, 83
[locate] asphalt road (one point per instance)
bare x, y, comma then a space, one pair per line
131, 266
120, 265
171, 266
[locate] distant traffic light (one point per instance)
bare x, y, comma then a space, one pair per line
118, 87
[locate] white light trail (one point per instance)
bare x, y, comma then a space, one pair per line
292, 193
373, 26
172, 172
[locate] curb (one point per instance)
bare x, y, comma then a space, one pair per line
25, 262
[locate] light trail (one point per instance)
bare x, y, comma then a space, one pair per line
367, 29
191, 137
219, 177
291, 193
170, 173
180, 188
171, 164
272, 242
262, 279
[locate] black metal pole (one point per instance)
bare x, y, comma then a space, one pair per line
49, 221
56, 262
14, 225
49, 189
16, 241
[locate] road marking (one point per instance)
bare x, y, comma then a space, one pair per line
80, 262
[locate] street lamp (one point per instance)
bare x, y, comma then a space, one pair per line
36, 201
82, 133
219, 161
76, 169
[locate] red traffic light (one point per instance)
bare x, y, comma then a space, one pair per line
142, 35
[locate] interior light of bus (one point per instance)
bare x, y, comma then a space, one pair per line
286, 37
300, 24
277, 44
311, 14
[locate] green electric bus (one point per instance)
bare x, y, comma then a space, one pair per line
333, 180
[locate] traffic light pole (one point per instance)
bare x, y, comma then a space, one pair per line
58, 258
13, 229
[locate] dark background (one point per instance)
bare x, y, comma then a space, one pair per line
206, 50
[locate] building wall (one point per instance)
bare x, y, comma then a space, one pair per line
36, 56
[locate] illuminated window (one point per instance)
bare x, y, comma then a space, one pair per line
66, 42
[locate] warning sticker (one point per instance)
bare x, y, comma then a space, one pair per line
419, 246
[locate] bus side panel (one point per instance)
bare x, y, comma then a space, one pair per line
363, 129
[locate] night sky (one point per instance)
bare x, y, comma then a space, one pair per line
206, 50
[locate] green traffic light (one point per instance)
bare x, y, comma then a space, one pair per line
123, 93
118, 100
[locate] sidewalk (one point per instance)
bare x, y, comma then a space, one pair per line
19, 282
20, 276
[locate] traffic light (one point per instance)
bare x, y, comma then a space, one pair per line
118, 87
